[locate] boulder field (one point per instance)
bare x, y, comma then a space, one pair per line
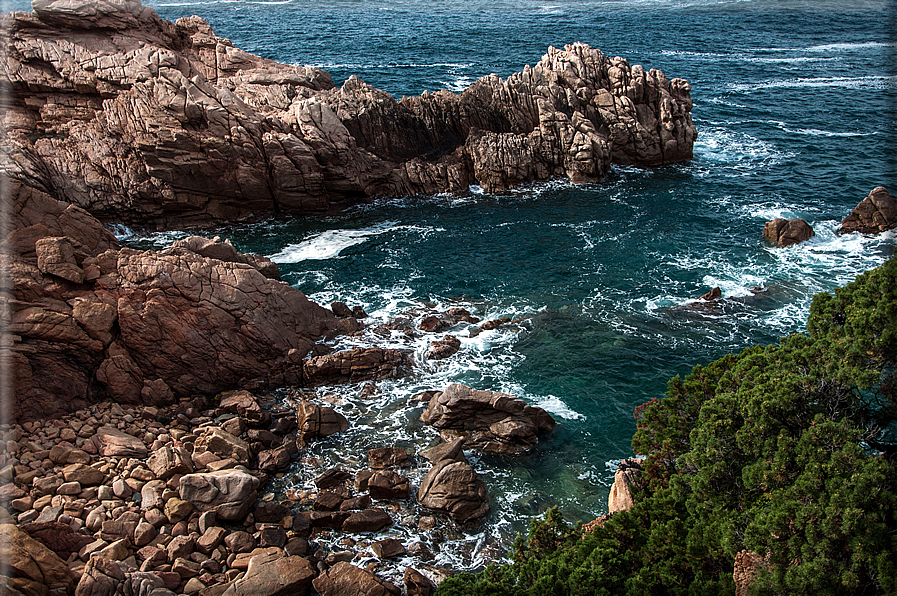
144, 121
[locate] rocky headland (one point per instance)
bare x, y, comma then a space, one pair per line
142, 121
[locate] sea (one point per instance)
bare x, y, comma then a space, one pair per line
795, 104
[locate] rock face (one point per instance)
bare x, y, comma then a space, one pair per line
453, 486
139, 326
785, 232
167, 124
620, 497
490, 421
357, 364
32, 567
876, 213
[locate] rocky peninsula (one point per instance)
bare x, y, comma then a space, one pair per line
165, 125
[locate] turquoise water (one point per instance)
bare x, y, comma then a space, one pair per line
794, 105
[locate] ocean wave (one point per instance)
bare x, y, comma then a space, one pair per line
737, 150
385, 65
871, 82
848, 46
329, 244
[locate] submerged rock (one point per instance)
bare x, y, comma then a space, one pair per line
874, 214
489, 420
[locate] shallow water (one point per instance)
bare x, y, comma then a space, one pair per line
794, 105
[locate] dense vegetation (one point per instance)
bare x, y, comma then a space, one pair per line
787, 451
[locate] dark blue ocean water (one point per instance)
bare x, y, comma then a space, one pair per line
794, 105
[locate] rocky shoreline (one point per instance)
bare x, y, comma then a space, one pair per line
165, 125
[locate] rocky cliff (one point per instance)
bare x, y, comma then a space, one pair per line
93, 321
144, 121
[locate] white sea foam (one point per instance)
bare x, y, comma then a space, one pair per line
329, 244
870, 82
555, 405
848, 47
737, 150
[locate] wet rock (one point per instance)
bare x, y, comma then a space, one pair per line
331, 478
785, 232
387, 457
443, 348
272, 535
355, 503
416, 583
270, 512
489, 420
229, 493
356, 365
319, 421
341, 310
714, 294
874, 214
344, 579
455, 488
275, 460
328, 501
368, 520
386, 484
388, 548
620, 497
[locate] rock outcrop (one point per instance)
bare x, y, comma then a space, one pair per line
874, 214
452, 485
489, 420
620, 497
95, 321
140, 120
785, 232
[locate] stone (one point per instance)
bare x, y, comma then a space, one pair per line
340, 309
356, 503
224, 445
244, 404
455, 488
69, 488
185, 567
388, 548
387, 457
344, 579
111, 442
180, 547
177, 509
620, 497
240, 542
368, 520
331, 478
319, 421
416, 583
230, 493
56, 256
268, 512
210, 539
785, 232
144, 533
356, 365
116, 551
386, 484
328, 501
443, 348
83, 475
875, 214
170, 461
58, 537
490, 421
272, 535
272, 574
103, 576
275, 460
448, 450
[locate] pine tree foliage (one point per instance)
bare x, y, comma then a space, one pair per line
788, 451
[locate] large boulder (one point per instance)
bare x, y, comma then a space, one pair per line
110, 441
874, 214
453, 486
785, 232
356, 365
223, 444
345, 579
105, 577
489, 420
620, 497
319, 421
229, 493
272, 574
29, 566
